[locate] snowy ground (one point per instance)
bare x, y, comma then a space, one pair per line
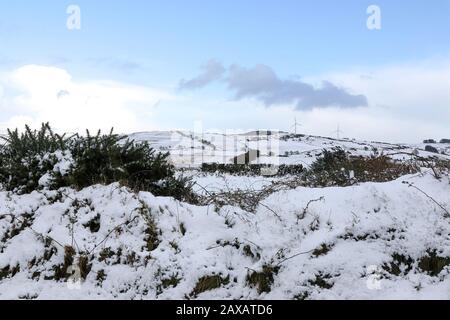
189, 150
368, 241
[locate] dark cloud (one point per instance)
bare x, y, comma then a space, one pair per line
263, 84
211, 71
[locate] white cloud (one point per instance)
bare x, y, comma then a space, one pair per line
424, 87
35, 94
407, 102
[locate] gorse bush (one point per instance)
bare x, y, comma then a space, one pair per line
26, 159
334, 167
329, 169
104, 159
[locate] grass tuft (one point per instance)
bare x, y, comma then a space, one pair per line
208, 283
264, 279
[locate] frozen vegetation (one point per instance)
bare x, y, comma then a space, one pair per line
341, 219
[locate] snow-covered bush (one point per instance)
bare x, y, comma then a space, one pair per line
105, 159
334, 167
38, 159
27, 157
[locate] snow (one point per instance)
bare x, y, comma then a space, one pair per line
191, 149
416, 225
364, 226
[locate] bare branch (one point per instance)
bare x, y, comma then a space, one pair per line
34, 231
305, 211
447, 213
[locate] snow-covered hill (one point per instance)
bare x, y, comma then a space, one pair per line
189, 149
387, 240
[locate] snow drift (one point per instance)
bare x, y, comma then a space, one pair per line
370, 241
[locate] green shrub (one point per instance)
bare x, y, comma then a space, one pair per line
329, 168
103, 159
26, 157
99, 159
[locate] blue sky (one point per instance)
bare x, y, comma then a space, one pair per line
155, 44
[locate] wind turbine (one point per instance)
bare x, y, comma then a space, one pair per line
338, 132
296, 124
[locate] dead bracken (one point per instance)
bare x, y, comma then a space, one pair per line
208, 283
263, 279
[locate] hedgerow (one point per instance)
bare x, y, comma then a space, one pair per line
337, 167
250, 169
32, 160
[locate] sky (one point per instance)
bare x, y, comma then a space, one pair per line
231, 65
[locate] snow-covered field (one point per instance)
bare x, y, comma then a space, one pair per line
368, 241
189, 149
